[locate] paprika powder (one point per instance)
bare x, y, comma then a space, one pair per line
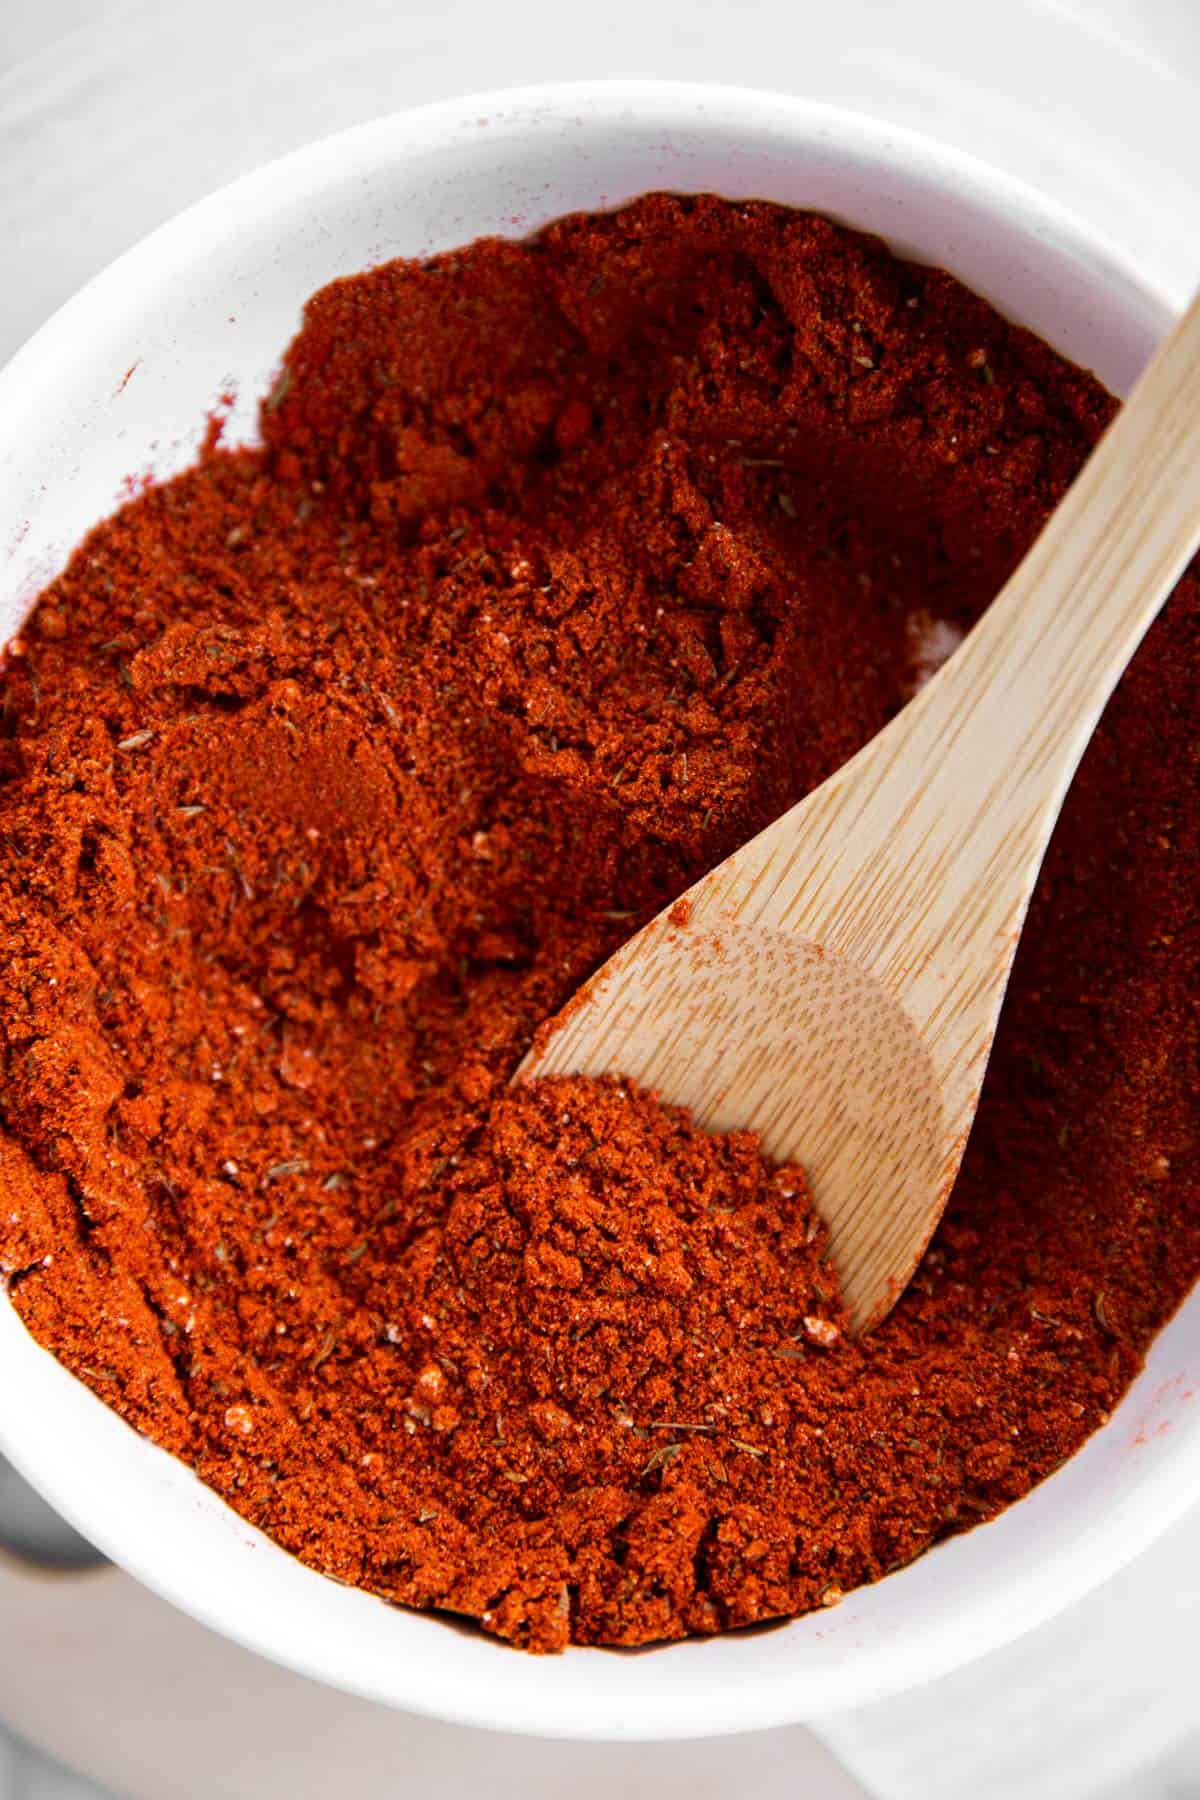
333, 766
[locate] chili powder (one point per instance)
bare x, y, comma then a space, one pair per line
333, 766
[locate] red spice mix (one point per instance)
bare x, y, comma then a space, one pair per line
330, 768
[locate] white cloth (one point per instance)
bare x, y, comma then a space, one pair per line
113, 116
1103, 1701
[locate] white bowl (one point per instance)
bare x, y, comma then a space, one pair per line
207, 304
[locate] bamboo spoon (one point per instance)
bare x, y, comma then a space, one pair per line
835, 984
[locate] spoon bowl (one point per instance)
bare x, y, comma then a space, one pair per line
753, 1028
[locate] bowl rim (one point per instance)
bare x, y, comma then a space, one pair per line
176, 239
699, 1707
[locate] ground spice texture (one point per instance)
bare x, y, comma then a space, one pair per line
332, 767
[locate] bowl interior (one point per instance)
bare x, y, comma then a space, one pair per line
118, 385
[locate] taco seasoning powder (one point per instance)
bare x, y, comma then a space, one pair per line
330, 768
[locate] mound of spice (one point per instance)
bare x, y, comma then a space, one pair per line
332, 767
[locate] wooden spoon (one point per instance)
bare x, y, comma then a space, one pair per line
835, 984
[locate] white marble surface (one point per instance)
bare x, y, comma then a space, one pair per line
113, 116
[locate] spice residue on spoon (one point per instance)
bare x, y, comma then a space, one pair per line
330, 769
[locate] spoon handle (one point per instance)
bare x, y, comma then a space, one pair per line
1010, 716
917, 859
